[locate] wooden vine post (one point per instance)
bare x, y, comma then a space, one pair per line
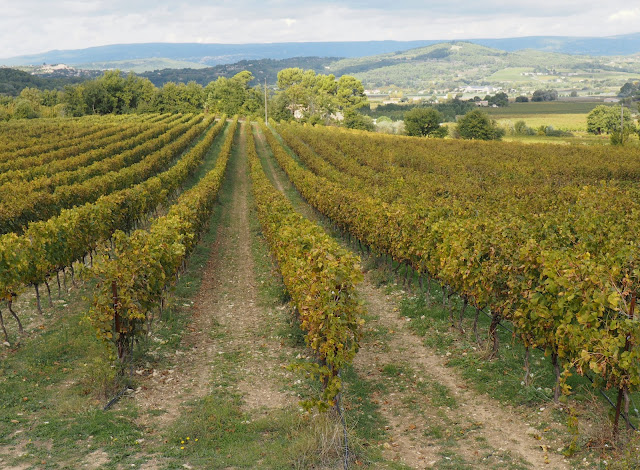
621, 391
120, 340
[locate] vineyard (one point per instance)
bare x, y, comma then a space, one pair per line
208, 292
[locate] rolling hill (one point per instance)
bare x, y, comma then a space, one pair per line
441, 66
458, 63
261, 69
434, 69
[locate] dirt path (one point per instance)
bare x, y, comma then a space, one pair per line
480, 416
428, 394
248, 326
261, 145
225, 318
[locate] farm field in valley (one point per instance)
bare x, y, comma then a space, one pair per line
562, 115
455, 298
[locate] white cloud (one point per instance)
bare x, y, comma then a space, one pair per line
626, 15
32, 26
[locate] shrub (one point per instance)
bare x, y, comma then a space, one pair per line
24, 110
354, 120
477, 125
424, 122
521, 128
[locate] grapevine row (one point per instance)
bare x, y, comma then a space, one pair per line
63, 146
134, 275
560, 218
464, 179
319, 275
561, 164
128, 139
18, 136
20, 208
576, 305
49, 246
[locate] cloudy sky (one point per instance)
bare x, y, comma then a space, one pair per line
32, 26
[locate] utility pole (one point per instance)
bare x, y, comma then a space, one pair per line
621, 122
266, 119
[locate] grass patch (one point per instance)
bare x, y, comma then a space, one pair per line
500, 378
362, 413
217, 433
51, 403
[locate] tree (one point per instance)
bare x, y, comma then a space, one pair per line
137, 94
477, 125
113, 85
297, 94
499, 99
545, 95
522, 99
192, 97
24, 109
630, 90
50, 97
179, 98
355, 120
73, 100
33, 95
109, 94
254, 102
279, 108
228, 95
424, 122
97, 98
606, 120
350, 93
322, 94
312, 96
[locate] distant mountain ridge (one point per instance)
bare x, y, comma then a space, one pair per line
593, 46
216, 54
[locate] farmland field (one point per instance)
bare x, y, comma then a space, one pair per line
285, 296
562, 115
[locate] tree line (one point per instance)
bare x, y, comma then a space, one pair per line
300, 94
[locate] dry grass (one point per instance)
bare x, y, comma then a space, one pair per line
564, 122
323, 446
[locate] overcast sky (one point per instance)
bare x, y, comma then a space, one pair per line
32, 26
